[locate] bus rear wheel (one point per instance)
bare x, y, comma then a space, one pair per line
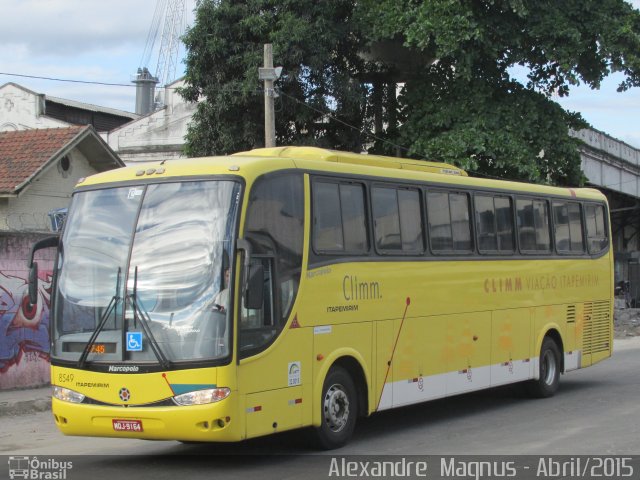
339, 410
549, 371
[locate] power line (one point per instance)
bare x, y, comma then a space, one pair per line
328, 115
70, 80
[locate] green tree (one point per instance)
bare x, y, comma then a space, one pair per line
315, 44
497, 129
465, 108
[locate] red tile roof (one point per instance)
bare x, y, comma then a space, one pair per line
24, 153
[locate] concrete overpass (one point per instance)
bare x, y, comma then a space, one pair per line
613, 167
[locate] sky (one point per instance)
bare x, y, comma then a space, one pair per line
104, 42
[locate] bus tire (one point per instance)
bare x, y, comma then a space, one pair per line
339, 410
549, 371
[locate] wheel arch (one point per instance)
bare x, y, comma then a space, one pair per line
353, 367
553, 332
353, 363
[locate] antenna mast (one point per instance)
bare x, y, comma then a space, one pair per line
173, 14
173, 29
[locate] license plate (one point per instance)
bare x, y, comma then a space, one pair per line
127, 425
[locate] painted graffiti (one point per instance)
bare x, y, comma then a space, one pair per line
24, 328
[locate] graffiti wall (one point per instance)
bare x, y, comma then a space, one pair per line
24, 329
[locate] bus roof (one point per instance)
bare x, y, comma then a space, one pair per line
314, 153
254, 163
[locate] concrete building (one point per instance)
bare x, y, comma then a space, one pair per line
23, 109
158, 135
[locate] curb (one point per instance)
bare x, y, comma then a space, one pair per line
626, 343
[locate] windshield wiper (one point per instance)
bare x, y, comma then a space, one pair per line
140, 313
113, 304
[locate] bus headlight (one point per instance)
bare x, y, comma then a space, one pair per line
67, 395
200, 397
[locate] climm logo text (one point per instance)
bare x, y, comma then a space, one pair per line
500, 285
352, 289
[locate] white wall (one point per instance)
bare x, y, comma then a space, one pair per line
21, 109
49, 190
157, 136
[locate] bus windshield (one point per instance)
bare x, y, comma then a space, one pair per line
144, 274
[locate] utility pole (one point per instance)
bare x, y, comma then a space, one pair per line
268, 74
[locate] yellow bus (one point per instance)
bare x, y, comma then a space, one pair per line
226, 298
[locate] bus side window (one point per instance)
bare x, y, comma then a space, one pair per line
567, 222
596, 228
449, 222
504, 224
353, 218
339, 218
327, 217
494, 224
397, 220
486, 224
386, 218
533, 225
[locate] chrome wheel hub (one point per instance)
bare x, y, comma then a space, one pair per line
548, 372
336, 408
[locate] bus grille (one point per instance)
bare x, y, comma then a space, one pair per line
597, 327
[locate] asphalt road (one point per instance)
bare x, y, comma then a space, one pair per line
596, 412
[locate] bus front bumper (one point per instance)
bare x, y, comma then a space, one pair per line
214, 422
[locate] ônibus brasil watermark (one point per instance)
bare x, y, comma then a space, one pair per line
33, 468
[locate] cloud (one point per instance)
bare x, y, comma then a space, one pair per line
104, 41
83, 40
64, 27
608, 110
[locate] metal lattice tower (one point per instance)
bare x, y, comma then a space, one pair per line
172, 31
169, 24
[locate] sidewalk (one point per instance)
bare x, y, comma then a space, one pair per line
20, 402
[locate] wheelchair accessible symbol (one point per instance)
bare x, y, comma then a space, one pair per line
134, 341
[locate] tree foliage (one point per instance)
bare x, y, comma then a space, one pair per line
507, 132
562, 43
464, 108
312, 40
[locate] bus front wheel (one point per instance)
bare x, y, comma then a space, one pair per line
339, 410
549, 371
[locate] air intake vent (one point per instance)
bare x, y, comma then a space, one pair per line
597, 327
571, 313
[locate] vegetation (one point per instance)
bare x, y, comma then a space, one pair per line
459, 101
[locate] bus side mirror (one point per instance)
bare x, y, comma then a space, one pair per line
254, 297
33, 283
33, 266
